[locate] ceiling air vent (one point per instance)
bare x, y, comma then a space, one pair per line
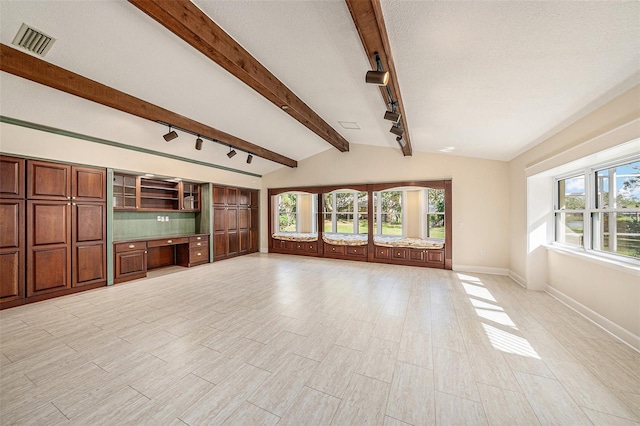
33, 40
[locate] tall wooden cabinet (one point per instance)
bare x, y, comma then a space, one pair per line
235, 221
53, 241
12, 244
66, 227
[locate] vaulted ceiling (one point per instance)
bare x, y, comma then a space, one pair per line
487, 78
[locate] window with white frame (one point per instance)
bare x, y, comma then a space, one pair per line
345, 212
288, 212
389, 207
599, 208
435, 213
296, 212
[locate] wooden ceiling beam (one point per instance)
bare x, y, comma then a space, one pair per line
192, 25
26, 66
367, 16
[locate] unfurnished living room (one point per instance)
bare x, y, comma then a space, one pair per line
337, 212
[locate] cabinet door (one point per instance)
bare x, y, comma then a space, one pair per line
48, 181
11, 177
232, 197
416, 255
11, 250
243, 218
89, 184
244, 241
220, 240
48, 246
244, 198
255, 241
219, 195
254, 195
130, 265
89, 243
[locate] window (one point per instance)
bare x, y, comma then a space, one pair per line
287, 212
615, 220
345, 212
570, 210
600, 209
389, 208
435, 213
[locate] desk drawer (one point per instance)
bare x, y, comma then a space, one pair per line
358, 251
198, 255
333, 249
167, 241
198, 238
197, 244
123, 247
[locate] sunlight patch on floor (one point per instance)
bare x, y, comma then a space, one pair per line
510, 343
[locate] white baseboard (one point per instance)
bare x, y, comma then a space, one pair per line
517, 278
607, 325
480, 269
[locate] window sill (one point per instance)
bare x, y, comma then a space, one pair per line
578, 253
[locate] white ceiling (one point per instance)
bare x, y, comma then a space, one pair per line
488, 78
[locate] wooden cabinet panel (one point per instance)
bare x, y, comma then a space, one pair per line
332, 249
219, 196
220, 249
255, 240
11, 275
382, 252
398, 253
234, 243
48, 246
89, 184
254, 194
11, 223
232, 219
435, 256
49, 181
48, 270
243, 218
244, 241
244, 198
416, 255
138, 245
89, 264
160, 256
11, 177
198, 256
232, 197
219, 219
130, 265
254, 219
89, 222
356, 251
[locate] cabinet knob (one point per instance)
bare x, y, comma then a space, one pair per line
169, 241
199, 254
132, 246
198, 238
199, 244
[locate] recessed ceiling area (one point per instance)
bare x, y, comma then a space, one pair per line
488, 78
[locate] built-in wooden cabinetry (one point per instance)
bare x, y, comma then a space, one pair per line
154, 194
12, 244
235, 221
64, 215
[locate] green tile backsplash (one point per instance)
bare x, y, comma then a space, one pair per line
132, 225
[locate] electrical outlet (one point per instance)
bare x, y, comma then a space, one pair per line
166, 218
159, 218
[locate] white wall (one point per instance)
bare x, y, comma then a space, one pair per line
480, 194
27, 142
609, 296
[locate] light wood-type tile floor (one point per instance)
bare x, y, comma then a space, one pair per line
273, 339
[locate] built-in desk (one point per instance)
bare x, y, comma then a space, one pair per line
134, 257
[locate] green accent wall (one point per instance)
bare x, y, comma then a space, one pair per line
110, 260
133, 225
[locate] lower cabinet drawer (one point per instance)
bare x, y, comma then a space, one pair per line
311, 246
382, 252
358, 251
196, 244
398, 253
122, 247
331, 249
198, 255
167, 241
435, 256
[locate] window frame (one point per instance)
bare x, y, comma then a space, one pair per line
377, 208
355, 214
591, 208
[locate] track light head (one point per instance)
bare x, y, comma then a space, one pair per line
396, 130
199, 143
171, 135
401, 141
231, 153
381, 78
249, 158
392, 116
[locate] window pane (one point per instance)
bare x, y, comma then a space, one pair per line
328, 203
344, 202
436, 200
345, 223
571, 194
287, 205
570, 228
362, 202
619, 187
363, 224
436, 225
327, 227
617, 233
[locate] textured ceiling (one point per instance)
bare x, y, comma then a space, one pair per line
488, 78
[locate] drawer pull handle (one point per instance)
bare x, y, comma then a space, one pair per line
199, 244
198, 238
398, 253
132, 246
199, 254
169, 241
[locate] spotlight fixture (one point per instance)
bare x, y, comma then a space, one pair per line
171, 135
231, 153
396, 130
198, 143
392, 116
249, 158
381, 78
401, 141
